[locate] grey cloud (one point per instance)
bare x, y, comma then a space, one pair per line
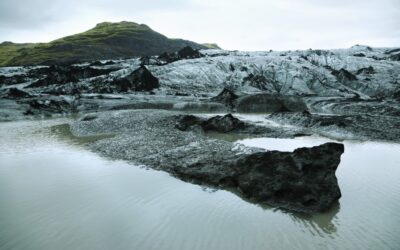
25, 14
235, 24
20, 14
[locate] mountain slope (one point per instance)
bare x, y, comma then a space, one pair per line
8, 50
105, 41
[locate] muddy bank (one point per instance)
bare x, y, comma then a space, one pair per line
302, 181
337, 118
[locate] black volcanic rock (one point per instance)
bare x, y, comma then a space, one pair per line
224, 124
186, 121
189, 53
392, 51
14, 93
64, 74
302, 181
10, 80
139, 80
343, 75
395, 57
257, 81
229, 124
226, 96
369, 71
185, 53
48, 107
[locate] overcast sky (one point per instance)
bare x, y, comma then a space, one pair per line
233, 24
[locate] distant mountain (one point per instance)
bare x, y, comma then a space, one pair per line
211, 45
105, 41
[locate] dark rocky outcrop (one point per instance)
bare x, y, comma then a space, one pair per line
151, 60
256, 81
10, 80
185, 53
64, 74
396, 95
224, 124
139, 80
392, 51
302, 181
226, 96
189, 53
395, 57
359, 54
14, 93
344, 76
369, 71
230, 124
48, 107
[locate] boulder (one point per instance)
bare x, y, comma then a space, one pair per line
185, 53
226, 96
186, 121
139, 80
189, 53
11, 80
223, 124
392, 51
368, 71
395, 57
301, 181
48, 106
344, 76
14, 93
256, 81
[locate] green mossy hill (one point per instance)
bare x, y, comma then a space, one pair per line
8, 50
211, 45
105, 41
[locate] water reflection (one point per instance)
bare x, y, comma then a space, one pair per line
320, 223
56, 195
317, 223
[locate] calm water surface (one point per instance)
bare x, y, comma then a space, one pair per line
55, 194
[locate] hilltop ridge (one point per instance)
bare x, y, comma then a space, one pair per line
106, 40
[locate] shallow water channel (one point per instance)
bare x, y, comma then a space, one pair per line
56, 194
